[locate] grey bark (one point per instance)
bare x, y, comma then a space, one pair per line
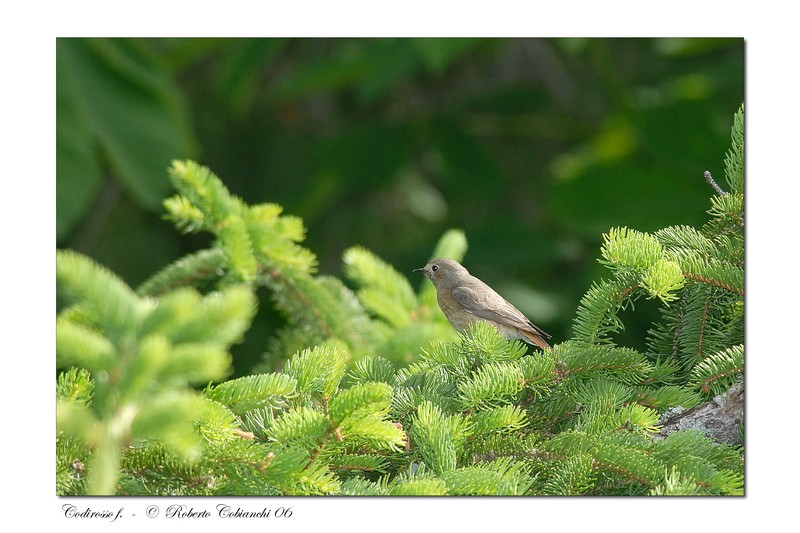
720, 419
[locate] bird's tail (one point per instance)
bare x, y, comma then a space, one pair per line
536, 339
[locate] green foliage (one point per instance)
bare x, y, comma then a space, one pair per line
389, 142
129, 362
113, 95
379, 396
259, 246
697, 275
251, 392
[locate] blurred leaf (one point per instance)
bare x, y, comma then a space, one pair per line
682, 46
116, 97
344, 67
77, 165
643, 178
372, 68
625, 194
243, 68
438, 54
372, 152
532, 147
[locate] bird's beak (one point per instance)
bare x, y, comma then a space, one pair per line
421, 270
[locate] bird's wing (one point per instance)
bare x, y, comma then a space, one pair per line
489, 305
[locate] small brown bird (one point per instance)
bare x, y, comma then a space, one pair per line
464, 300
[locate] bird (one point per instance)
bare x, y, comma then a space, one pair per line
464, 300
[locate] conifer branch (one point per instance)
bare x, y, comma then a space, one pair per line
715, 282
702, 324
469, 414
719, 370
619, 469
287, 282
710, 181
597, 314
188, 271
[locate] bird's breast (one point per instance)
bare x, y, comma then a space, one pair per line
458, 317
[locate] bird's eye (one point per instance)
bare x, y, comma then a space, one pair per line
435, 268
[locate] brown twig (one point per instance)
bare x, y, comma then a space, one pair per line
710, 180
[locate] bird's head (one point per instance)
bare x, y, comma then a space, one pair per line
443, 272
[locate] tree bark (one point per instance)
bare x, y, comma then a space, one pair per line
720, 419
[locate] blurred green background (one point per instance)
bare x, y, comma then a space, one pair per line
534, 147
